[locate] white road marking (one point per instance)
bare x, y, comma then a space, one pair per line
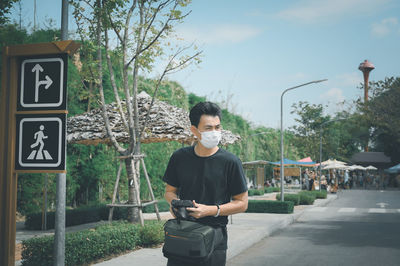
375, 210
347, 210
318, 209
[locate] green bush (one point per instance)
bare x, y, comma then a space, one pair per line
256, 192
271, 189
87, 214
268, 206
306, 198
151, 234
290, 197
86, 246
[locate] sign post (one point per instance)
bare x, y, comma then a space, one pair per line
32, 123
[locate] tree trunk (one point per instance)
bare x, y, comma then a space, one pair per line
133, 213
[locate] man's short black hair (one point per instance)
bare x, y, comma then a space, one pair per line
203, 108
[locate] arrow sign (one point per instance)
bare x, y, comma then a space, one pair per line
42, 84
38, 68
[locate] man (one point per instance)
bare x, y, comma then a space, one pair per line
209, 176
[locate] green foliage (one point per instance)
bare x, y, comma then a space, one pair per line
256, 192
85, 247
295, 198
5, 7
306, 198
87, 214
271, 189
151, 234
381, 115
269, 206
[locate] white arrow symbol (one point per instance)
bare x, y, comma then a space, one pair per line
382, 204
38, 68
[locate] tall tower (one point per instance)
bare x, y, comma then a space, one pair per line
366, 67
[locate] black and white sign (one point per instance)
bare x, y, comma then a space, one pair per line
40, 142
42, 83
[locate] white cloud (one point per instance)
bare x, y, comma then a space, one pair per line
334, 95
218, 34
352, 79
385, 27
310, 11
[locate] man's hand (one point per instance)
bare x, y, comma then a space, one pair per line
201, 210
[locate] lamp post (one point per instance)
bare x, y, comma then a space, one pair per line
292, 88
320, 146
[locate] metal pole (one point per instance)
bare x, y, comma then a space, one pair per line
320, 155
292, 88
59, 238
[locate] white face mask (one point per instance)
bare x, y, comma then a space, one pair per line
210, 139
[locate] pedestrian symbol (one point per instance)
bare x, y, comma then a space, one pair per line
42, 83
41, 142
39, 136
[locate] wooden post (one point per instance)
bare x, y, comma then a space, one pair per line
150, 189
110, 214
8, 177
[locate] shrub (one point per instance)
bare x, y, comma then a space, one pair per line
256, 192
306, 198
272, 189
87, 246
151, 234
87, 214
268, 206
290, 197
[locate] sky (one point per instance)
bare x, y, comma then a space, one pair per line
254, 50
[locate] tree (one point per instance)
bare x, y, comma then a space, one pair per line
341, 134
5, 6
140, 27
381, 113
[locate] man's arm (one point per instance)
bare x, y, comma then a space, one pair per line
170, 194
238, 204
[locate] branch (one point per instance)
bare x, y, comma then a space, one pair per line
100, 77
113, 84
166, 71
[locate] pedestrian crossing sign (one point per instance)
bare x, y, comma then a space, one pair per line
40, 142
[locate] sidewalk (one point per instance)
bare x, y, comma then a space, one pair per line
244, 230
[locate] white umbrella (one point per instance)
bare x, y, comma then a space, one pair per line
356, 167
333, 164
370, 167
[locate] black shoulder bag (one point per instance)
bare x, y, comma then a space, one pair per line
186, 239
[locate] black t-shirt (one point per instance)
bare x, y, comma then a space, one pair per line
207, 180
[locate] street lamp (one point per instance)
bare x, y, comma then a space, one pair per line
320, 146
292, 88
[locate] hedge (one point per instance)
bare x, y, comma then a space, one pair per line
306, 198
268, 206
271, 189
87, 214
254, 192
290, 197
85, 247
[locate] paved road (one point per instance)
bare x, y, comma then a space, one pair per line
362, 227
